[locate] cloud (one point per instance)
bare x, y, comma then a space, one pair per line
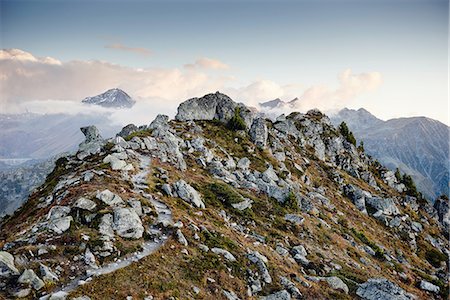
25, 77
207, 63
45, 84
137, 50
327, 99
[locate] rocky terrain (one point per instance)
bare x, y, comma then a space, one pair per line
16, 184
418, 146
220, 203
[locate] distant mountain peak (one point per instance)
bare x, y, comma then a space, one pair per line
116, 98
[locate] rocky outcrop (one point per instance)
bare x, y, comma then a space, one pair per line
127, 223
259, 133
441, 206
127, 130
209, 107
7, 267
188, 193
92, 144
381, 288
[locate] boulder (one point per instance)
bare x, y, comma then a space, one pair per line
188, 193
295, 219
259, 132
29, 277
61, 295
215, 106
85, 204
161, 123
281, 295
60, 225
127, 223
385, 205
357, 196
109, 198
230, 295
260, 261
47, 274
127, 130
429, 287
181, 239
57, 212
92, 144
381, 288
224, 253
7, 267
243, 205
441, 206
336, 283
243, 164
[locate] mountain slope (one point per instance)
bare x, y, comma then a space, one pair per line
111, 98
193, 208
419, 146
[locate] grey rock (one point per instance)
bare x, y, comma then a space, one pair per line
429, 287
92, 144
61, 295
89, 259
181, 238
127, 130
291, 288
84, 203
243, 164
259, 132
127, 223
281, 295
209, 107
441, 205
29, 277
47, 274
109, 198
357, 196
243, 205
381, 289
260, 261
295, 219
57, 212
105, 227
188, 193
7, 267
224, 253
161, 122
230, 295
385, 205
336, 283
167, 189
60, 225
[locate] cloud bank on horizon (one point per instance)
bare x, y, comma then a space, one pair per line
48, 85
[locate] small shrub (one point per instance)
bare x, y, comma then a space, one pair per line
434, 257
236, 122
348, 135
291, 201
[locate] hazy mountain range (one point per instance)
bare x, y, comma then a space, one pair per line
418, 146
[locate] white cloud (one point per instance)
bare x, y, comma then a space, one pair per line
26, 77
28, 82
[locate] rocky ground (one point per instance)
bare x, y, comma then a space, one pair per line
222, 203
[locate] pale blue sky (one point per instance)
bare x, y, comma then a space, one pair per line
288, 42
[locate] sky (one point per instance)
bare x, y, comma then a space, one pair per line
390, 57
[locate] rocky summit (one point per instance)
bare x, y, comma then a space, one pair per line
222, 203
115, 98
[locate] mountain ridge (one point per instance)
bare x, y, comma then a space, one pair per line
223, 203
